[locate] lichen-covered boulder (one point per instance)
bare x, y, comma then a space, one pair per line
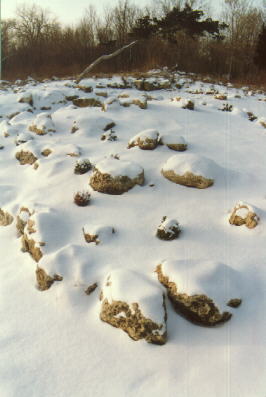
42, 124
114, 176
193, 297
168, 229
173, 142
190, 170
5, 218
145, 140
243, 214
135, 304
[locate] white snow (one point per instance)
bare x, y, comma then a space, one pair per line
52, 343
168, 224
173, 139
116, 168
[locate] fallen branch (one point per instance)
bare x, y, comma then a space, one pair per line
103, 58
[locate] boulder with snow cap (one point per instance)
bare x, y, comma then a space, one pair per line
173, 142
114, 176
243, 214
135, 304
190, 170
192, 297
145, 140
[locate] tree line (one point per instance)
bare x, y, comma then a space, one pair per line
175, 33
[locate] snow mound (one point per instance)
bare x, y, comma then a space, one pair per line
42, 124
190, 170
97, 233
134, 303
6, 129
146, 139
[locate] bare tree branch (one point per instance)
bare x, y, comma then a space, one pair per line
103, 58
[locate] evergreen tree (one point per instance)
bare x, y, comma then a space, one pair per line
260, 54
177, 19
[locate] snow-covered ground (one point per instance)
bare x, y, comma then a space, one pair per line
52, 342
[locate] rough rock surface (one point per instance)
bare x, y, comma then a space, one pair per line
244, 214
44, 281
87, 102
199, 309
129, 315
188, 179
26, 157
26, 228
5, 218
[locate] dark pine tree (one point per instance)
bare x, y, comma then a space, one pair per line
260, 54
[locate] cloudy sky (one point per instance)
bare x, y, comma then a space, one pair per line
67, 11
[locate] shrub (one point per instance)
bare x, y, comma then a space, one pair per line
82, 199
82, 166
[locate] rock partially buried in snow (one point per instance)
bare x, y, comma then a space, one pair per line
87, 102
135, 304
42, 124
44, 281
243, 214
5, 218
26, 98
190, 170
27, 221
173, 142
146, 140
114, 176
26, 157
187, 295
168, 229
97, 233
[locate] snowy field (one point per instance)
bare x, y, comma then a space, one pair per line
52, 341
